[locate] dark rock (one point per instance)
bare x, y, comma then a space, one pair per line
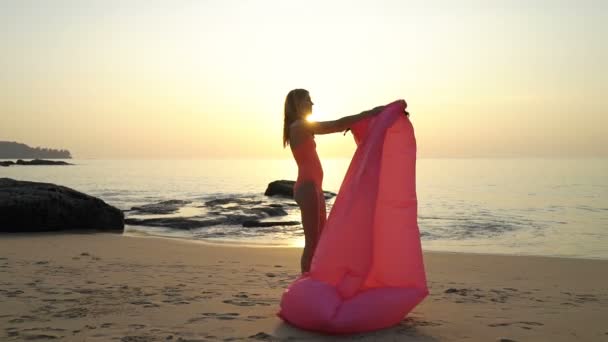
33, 207
284, 188
245, 211
270, 211
256, 223
6, 163
328, 194
231, 200
161, 208
221, 211
237, 219
176, 222
41, 162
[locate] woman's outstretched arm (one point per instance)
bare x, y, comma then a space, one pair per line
326, 127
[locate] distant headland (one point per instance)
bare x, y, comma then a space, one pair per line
11, 150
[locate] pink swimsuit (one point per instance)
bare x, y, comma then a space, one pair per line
309, 169
309, 166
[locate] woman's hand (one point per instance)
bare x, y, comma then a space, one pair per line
404, 104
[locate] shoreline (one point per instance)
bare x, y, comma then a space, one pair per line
108, 286
234, 244
231, 243
247, 245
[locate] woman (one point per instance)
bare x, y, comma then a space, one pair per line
299, 133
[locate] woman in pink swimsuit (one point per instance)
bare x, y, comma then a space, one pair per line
308, 190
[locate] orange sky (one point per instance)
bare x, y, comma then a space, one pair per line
207, 79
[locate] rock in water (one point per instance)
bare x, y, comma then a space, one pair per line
257, 223
284, 188
280, 188
35, 207
161, 208
41, 162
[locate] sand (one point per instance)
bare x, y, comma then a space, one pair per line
111, 287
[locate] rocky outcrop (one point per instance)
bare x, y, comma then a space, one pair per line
41, 162
256, 223
176, 222
161, 208
36, 207
284, 188
34, 162
239, 211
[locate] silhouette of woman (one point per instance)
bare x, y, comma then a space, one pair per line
307, 191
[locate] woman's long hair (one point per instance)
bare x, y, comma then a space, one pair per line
292, 100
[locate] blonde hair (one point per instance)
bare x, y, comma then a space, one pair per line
292, 100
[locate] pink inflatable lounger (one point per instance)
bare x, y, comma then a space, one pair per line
367, 272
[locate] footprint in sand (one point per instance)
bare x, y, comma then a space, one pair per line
584, 298
137, 326
412, 321
522, 324
132, 338
72, 313
242, 299
12, 331
145, 303
22, 319
208, 295
262, 336
45, 333
580, 298
214, 315
223, 316
479, 296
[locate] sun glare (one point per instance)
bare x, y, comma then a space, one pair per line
298, 242
315, 116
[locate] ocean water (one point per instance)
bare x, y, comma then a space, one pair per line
550, 207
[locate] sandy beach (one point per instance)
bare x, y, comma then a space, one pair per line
104, 287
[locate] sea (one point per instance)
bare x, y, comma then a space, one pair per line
529, 206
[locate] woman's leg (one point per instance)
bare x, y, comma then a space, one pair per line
322, 212
306, 195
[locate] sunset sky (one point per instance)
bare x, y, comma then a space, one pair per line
208, 79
